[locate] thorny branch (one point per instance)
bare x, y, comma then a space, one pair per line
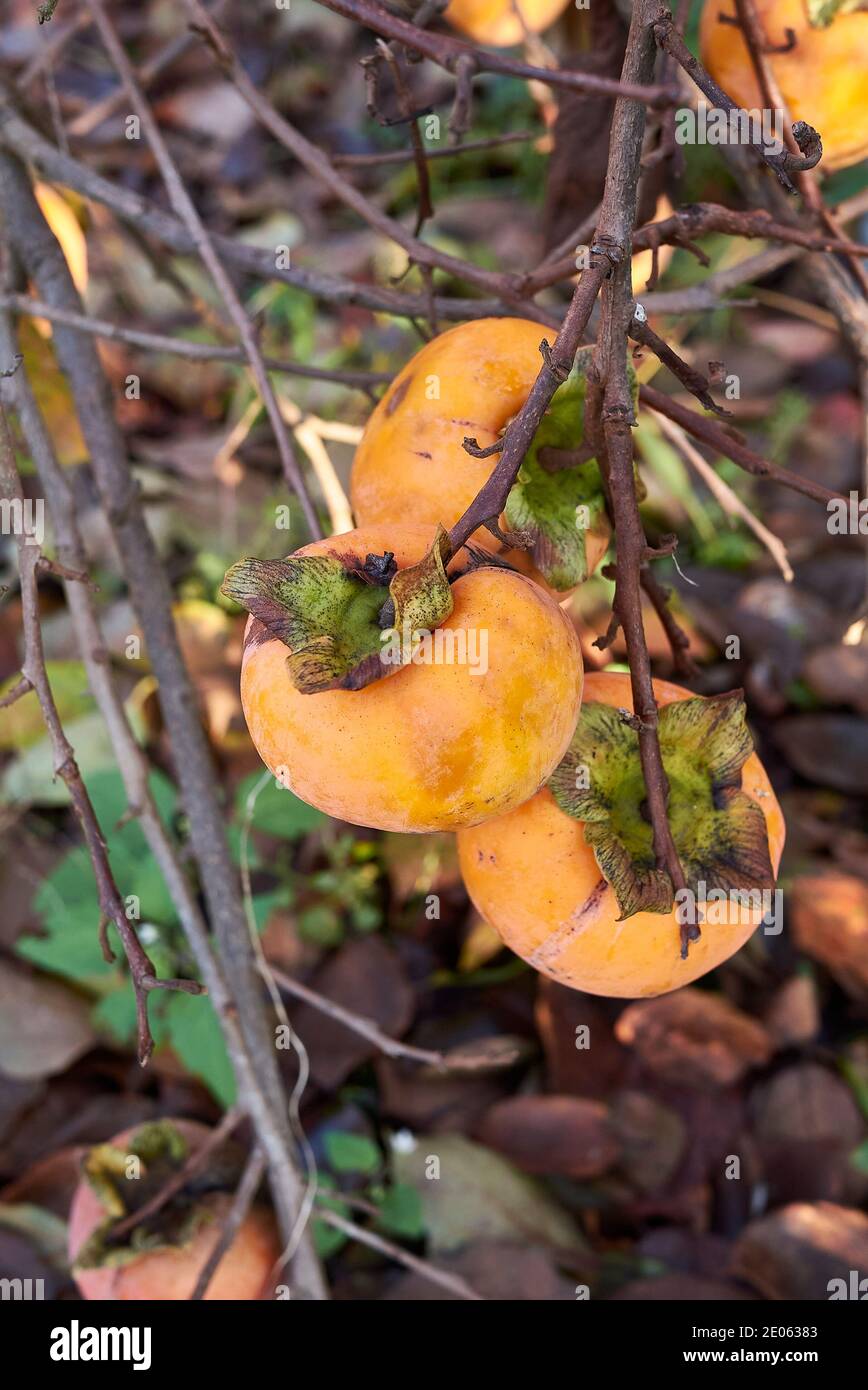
237, 999
35, 677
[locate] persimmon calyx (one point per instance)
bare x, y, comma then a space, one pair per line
160, 1149
822, 13
557, 507
719, 831
345, 624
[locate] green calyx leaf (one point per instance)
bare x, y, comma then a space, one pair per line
822, 13
558, 507
330, 611
422, 598
323, 608
719, 831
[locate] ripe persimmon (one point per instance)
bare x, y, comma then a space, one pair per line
469, 382
161, 1258
503, 23
536, 879
821, 76
469, 728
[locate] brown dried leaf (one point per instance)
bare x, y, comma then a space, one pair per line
552, 1134
652, 1139
44, 1026
793, 1014
496, 1269
807, 1124
829, 914
829, 749
797, 1252
565, 1019
366, 976
693, 1038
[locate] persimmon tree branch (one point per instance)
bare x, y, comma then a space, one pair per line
447, 52
239, 1001
186, 347
111, 904
683, 227
783, 162
463, 1060
61, 507
730, 443
616, 223
186, 209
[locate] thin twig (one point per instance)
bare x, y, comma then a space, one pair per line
111, 904
617, 219
732, 445
784, 162
374, 161
697, 384
446, 52
184, 347
453, 1283
186, 209
234, 1220
392, 1047
729, 500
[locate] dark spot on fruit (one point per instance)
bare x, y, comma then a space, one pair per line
398, 395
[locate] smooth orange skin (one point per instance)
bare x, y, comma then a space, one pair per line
531, 875
496, 22
822, 79
171, 1274
430, 747
411, 464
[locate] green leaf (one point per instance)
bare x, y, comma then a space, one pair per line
352, 1153
719, 832
40, 1227
558, 508
322, 925
115, 1014
401, 1212
474, 1194
276, 811
193, 1032
421, 593
30, 780
22, 723
324, 608
67, 901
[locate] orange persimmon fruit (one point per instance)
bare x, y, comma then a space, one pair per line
161, 1258
503, 23
822, 77
469, 729
468, 382
535, 878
